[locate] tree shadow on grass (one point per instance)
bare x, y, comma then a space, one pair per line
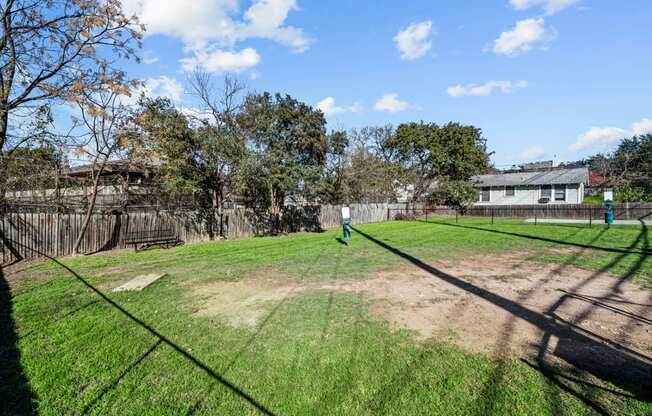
16, 395
582, 349
25, 398
627, 251
179, 350
122, 375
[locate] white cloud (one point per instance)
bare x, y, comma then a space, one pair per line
600, 138
328, 107
356, 108
165, 87
522, 37
195, 114
222, 61
391, 104
549, 6
193, 21
156, 87
414, 41
149, 58
212, 27
486, 89
265, 19
533, 153
642, 127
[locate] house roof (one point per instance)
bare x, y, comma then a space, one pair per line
112, 167
597, 179
548, 177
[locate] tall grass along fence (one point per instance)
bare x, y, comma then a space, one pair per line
626, 211
38, 233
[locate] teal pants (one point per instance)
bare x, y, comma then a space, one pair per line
346, 229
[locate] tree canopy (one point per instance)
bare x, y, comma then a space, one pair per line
427, 152
287, 147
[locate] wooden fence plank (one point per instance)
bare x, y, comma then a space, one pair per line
53, 233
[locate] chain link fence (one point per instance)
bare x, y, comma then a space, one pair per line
588, 215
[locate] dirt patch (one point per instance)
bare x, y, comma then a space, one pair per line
594, 324
503, 304
244, 302
23, 272
497, 304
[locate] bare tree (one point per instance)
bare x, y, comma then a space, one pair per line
104, 135
52, 50
220, 143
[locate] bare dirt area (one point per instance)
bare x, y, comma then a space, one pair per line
505, 305
245, 302
497, 304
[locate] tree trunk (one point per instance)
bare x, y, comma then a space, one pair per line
211, 214
4, 124
4, 120
89, 210
275, 211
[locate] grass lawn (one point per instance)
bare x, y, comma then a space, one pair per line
69, 345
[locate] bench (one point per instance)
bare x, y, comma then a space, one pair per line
144, 239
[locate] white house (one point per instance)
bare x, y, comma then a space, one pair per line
554, 186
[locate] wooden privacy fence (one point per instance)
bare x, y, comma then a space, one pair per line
38, 234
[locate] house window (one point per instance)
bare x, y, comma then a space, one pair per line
560, 193
485, 194
546, 191
510, 190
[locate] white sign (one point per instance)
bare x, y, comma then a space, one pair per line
609, 196
346, 214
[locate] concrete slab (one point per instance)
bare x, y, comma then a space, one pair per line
579, 221
139, 283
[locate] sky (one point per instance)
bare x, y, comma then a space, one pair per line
543, 79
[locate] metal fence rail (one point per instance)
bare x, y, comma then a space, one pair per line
588, 214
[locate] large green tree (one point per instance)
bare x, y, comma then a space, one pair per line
628, 169
287, 151
163, 137
633, 160
195, 158
427, 153
333, 187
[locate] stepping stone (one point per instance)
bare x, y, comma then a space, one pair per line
139, 283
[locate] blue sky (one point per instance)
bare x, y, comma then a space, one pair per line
542, 78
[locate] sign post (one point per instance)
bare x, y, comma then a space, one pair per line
346, 223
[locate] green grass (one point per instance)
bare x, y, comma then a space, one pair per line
593, 200
320, 352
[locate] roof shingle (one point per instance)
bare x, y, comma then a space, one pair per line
550, 177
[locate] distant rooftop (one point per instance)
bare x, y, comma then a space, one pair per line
112, 167
541, 165
544, 177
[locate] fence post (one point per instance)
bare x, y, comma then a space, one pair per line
456, 215
590, 217
388, 208
535, 218
426, 214
492, 216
